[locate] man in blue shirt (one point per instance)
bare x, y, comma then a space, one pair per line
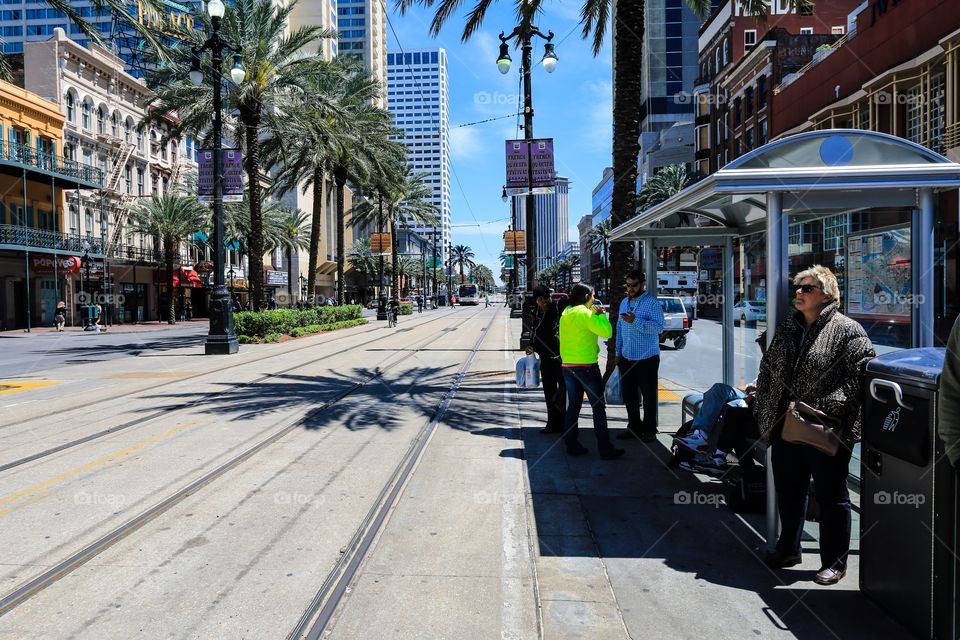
638, 357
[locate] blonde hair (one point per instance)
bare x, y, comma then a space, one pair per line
828, 281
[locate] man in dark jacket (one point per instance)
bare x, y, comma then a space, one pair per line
545, 342
949, 408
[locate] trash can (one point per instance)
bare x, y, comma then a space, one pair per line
908, 524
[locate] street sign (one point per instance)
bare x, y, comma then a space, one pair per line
508, 262
277, 278
380, 243
514, 242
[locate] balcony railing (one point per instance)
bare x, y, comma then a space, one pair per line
26, 155
30, 237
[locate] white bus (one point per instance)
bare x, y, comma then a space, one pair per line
468, 294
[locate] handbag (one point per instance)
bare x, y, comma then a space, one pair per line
612, 393
812, 427
528, 372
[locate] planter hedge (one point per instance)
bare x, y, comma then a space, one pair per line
320, 328
406, 309
259, 324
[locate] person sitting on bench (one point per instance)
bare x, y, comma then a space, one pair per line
716, 398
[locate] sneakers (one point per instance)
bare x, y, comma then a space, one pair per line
696, 442
714, 464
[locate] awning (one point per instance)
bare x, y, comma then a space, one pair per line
187, 277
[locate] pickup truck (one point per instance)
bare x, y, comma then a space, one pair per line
676, 323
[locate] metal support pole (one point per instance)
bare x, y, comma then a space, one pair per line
649, 267
728, 348
777, 301
922, 307
222, 339
26, 255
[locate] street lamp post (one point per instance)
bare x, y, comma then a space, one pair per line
524, 33
222, 338
86, 261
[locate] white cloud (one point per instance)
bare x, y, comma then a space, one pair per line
598, 131
466, 144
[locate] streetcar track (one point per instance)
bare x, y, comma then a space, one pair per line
62, 568
184, 405
61, 412
329, 597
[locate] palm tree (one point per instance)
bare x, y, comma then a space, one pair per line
461, 255
286, 231
482, 275
664, 184
276, 70
405, 195
600, 241
401, 270
172, 218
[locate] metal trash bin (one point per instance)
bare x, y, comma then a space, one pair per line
908, 524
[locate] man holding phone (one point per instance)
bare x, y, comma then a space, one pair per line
638, 357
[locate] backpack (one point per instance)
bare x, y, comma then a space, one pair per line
748, 493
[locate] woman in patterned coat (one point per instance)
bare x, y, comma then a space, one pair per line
816, 356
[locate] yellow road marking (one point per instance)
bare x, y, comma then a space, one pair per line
94, 464
13, 386
666, 394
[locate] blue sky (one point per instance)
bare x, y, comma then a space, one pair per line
571, 105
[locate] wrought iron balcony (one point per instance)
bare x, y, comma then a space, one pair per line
29, 238
67, 174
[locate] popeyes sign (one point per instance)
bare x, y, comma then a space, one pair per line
69, 264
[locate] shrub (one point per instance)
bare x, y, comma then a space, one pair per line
258, 324
319, 328
406, 309
242, 339
272, 337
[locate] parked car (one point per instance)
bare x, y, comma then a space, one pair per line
676, 323
749, 311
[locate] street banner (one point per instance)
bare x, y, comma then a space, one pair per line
518, 166
508, 262
232, 165
380, 243
514, 242
530, 167
541, 159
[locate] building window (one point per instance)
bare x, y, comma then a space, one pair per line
139, 181
737, 112
749, 38
914, 102
127, 130
763, 132
140, 140
128, 178
761, 92
86, 115
88, 222
806, 31
71, 107
837, 31
937, 112
115, 125
834, 230
748, 139
101, 120
726, 51
748, 102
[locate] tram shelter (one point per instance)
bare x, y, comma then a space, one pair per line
805, 177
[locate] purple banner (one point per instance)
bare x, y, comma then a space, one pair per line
518, 166
541, 152
232, 165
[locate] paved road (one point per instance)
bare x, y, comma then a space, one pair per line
700, 363
402, 469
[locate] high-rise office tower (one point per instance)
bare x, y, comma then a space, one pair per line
552, 220
362, 33
417, 98
322, 13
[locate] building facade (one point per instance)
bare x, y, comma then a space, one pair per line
419, 102
552, 210
362, 34
40, 261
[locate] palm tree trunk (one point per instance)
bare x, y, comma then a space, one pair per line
394, 258
319, 182
251, 121
340, 176
168, 259
628, 58
290, 275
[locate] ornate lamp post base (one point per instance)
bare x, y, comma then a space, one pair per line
222, 338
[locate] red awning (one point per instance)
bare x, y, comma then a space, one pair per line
187, 277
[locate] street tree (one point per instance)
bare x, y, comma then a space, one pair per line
173, 219
461, 256
280, 63
600, 241
362, 262
286, 230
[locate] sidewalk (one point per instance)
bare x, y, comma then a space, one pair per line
114, 329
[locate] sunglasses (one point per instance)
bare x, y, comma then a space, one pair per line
808, 288
631, 285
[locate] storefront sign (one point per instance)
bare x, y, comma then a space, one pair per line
277, 278
232, 166
69, 264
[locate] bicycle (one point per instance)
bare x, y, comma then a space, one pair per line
391, 318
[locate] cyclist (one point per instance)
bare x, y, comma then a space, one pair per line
394, 312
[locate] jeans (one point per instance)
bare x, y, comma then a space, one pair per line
640, 377
554, 392
793, 464
579, 380
714, 400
